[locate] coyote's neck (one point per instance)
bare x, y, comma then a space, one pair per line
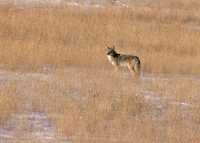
115, 54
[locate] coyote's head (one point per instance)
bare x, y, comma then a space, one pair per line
111, 51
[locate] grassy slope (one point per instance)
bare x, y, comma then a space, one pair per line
107, 108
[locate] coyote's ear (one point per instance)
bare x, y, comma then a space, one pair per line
113, 47
108, 47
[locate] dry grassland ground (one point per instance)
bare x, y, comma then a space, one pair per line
56, 65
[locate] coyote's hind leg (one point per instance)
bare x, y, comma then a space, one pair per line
131, 69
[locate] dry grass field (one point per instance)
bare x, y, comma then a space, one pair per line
54, 71
34, 37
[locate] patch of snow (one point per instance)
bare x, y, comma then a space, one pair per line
5, 134
7, 76
120, 3
33, 126
73, 4
37, 2
185, 104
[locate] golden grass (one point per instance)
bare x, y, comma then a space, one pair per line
90, 103
105, 107
9, 101
163, 38
97, 105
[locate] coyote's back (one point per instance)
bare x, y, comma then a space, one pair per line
132, 62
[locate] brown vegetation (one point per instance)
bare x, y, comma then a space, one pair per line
83, 97
167, 40
9, 101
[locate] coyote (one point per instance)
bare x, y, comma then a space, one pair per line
130, 61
